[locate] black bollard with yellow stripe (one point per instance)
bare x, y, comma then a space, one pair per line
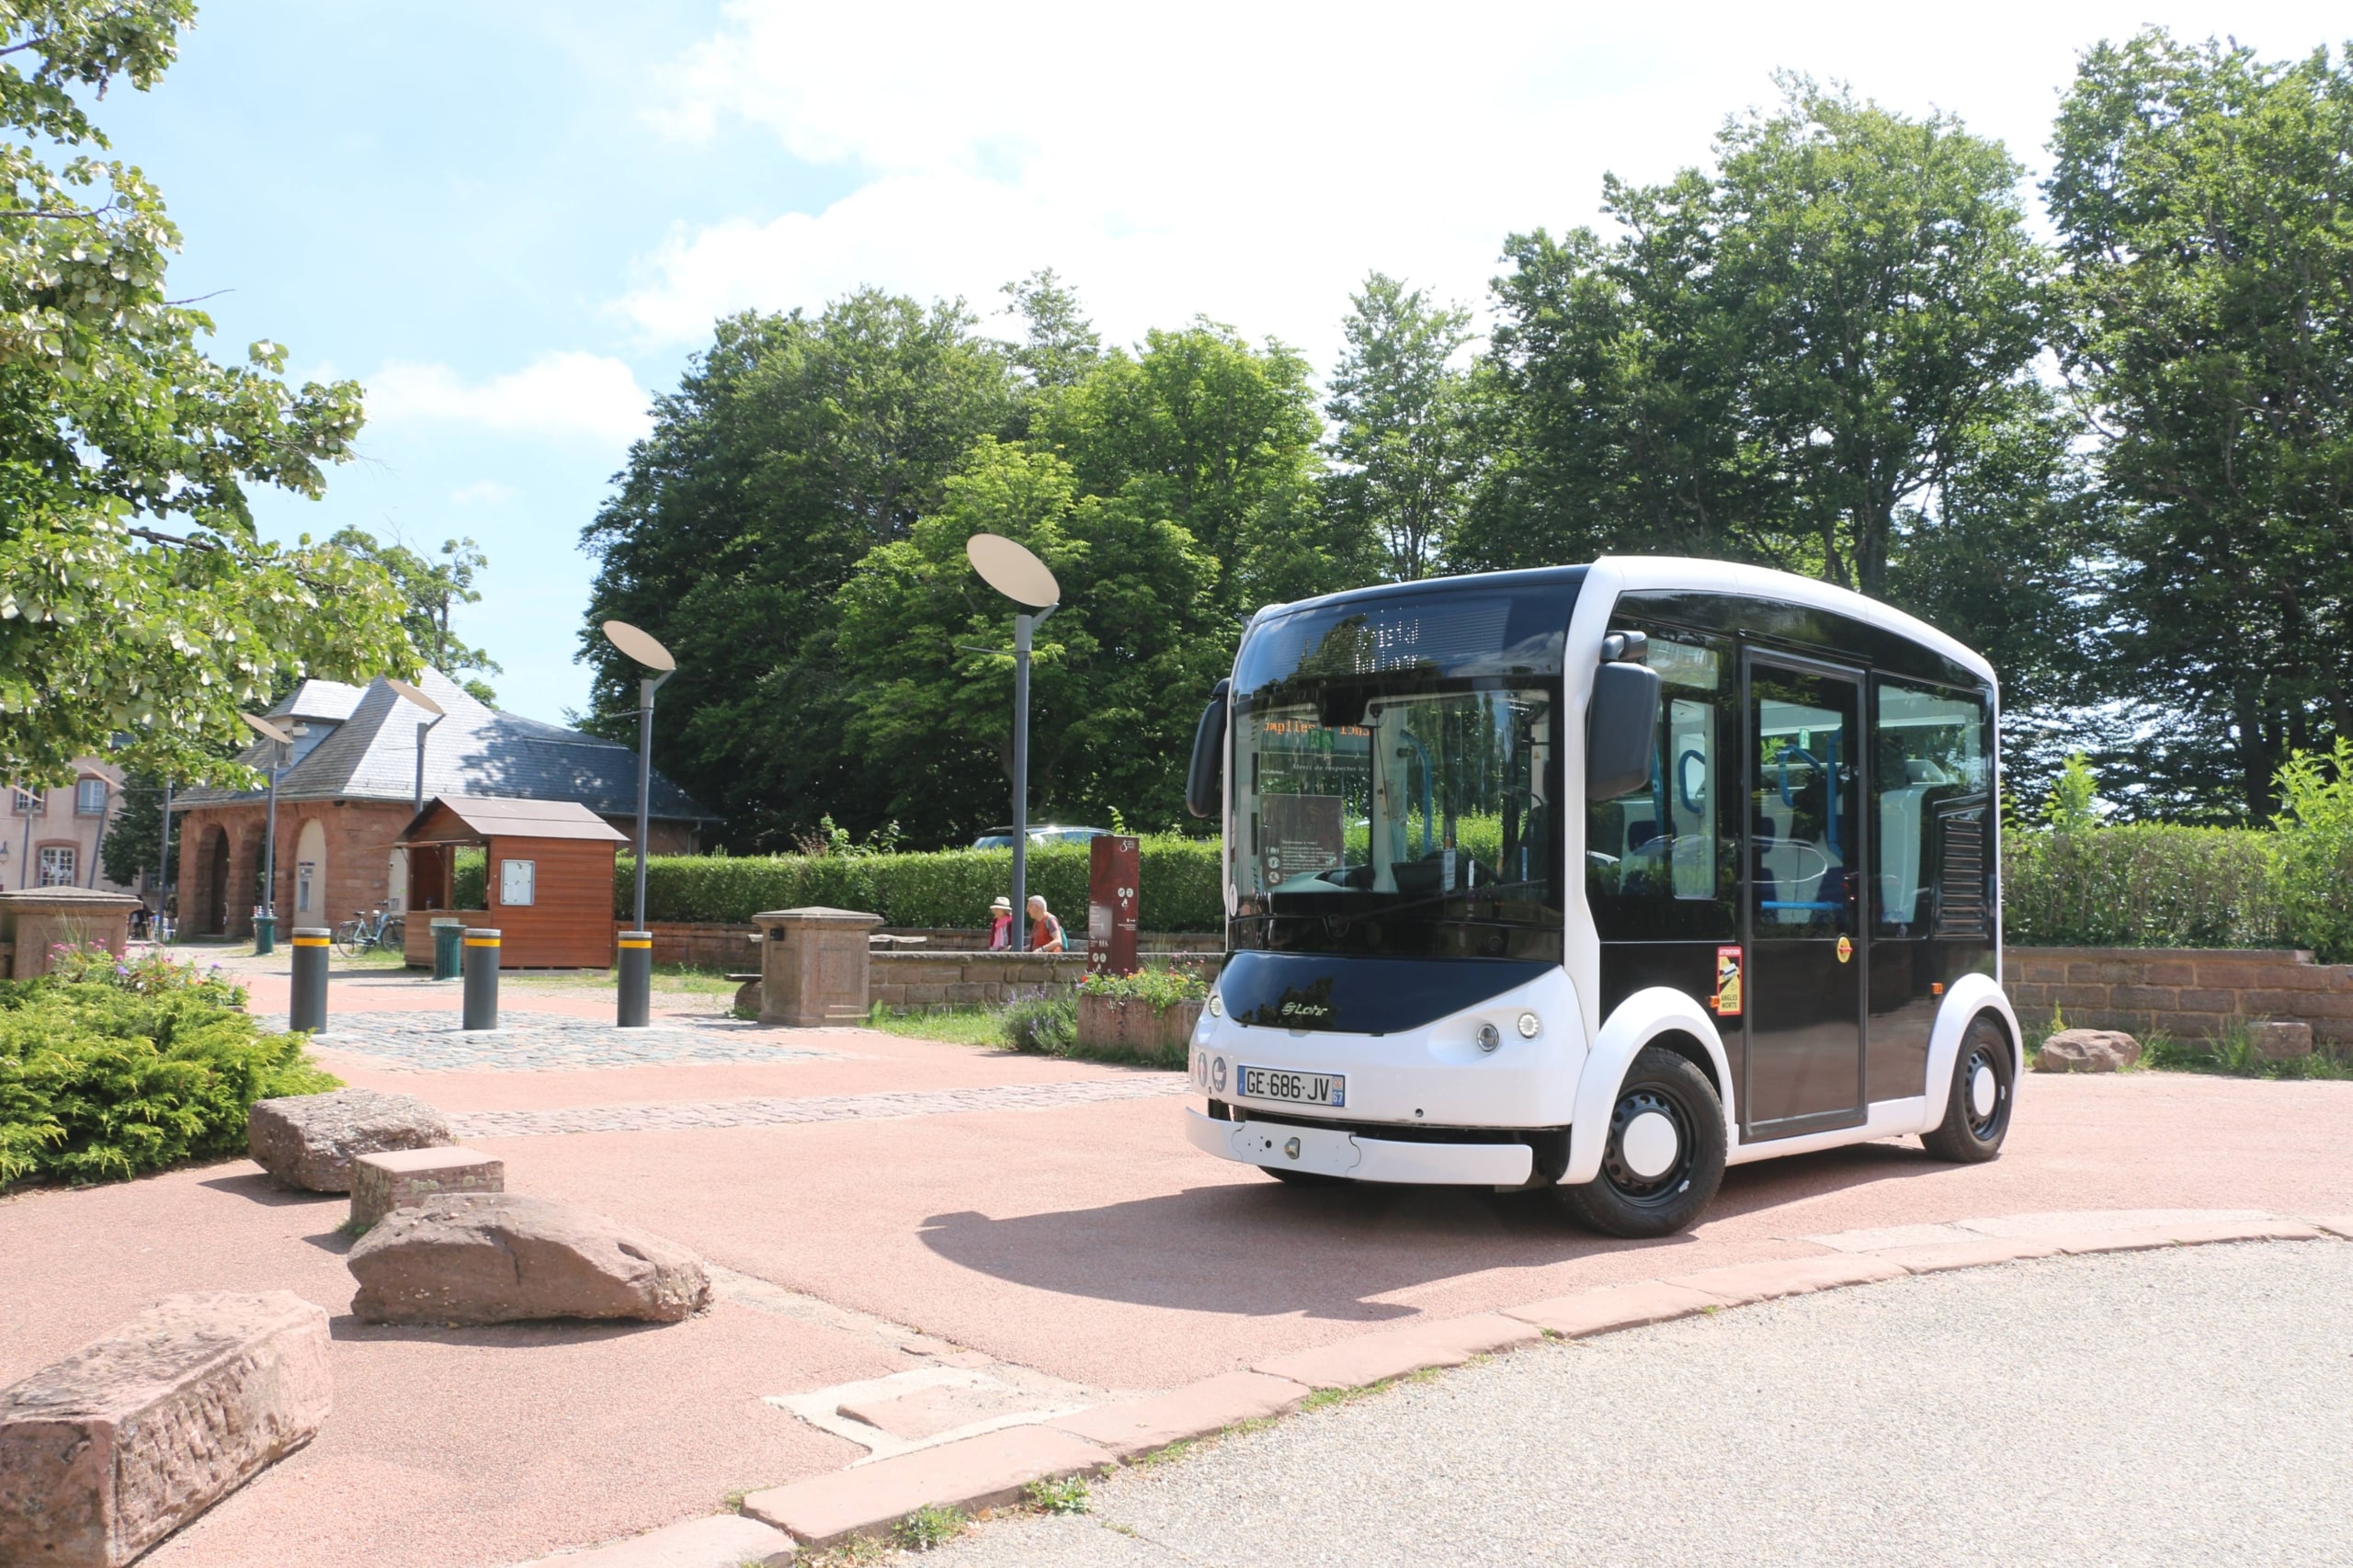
482, 978
636, 979
308, 1009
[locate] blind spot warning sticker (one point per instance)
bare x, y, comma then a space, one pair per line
1726, 1001
1846, 948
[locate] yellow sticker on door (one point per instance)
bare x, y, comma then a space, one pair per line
1726, 1001
1846, 948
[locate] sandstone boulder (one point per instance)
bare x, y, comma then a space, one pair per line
309, 1141
108, 1451
403, 1178
501, 1257
2087, 1050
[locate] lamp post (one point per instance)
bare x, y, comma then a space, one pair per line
1020, 577
636, 969
163, 867
265, 923
423, 703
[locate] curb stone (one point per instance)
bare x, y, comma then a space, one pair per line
720, 1540
994, 1469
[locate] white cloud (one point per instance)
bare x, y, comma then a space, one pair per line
484, 493
1252, 161
567, 394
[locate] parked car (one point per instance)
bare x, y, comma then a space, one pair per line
1039, 832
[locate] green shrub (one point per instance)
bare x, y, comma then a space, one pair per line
470, 878
100, 1083
2143, 885
1179, 885
1044, 1023
2316, 851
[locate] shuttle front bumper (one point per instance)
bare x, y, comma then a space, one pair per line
1334, 1151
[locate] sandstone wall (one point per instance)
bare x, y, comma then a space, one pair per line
2191, 992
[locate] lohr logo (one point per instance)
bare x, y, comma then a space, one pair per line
1296, 1009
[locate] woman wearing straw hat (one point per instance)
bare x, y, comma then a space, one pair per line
1001, 925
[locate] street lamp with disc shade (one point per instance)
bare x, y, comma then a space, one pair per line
1013, 571
282, 740
636, 967
417, 699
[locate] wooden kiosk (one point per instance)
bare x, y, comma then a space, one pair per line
547, 880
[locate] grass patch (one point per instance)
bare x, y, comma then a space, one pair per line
2233, 1054
1068, 1496
857, 1552
967, 1025
929, 1527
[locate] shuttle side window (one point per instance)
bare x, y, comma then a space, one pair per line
1662, 864
1930, 796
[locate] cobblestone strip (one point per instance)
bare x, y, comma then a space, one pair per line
890, 1106
543, 1043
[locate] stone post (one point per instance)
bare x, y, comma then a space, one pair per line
813, 966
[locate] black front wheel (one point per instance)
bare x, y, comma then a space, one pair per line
1665, 1154
1977, 1103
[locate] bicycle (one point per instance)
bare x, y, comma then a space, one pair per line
364, 931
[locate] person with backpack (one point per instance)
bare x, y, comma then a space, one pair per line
1045, 931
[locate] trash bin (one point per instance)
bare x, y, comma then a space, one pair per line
265, 935
447, 938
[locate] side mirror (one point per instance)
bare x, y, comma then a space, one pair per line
1204, 781
1621, 729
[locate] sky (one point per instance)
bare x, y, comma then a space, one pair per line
515, 222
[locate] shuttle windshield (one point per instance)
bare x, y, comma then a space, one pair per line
1396, 777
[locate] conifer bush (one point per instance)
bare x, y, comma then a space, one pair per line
110, 1069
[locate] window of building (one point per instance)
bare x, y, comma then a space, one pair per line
1931, 787
515, 881
90, 798
30, 803
1660, 863
57, 864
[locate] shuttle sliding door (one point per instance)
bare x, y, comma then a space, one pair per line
1804, 865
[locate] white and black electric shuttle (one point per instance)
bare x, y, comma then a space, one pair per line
1601, 878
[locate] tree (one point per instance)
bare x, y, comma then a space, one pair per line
137, 604
1402, 435
2204, 200
1784, 361
1060, 343
432, 589
1221, 439
926, 647
794, 446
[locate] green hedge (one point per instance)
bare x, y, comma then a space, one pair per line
1178, 886
98, 1082
2145, 885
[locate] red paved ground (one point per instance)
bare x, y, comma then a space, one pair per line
1088, 1241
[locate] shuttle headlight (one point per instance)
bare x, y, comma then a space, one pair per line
1217, 1005
1531, 1026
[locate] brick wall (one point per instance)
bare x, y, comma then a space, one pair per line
2190, 991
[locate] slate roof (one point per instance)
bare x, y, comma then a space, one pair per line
476, 750
513, 819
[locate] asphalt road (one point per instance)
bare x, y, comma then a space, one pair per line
2187, 1406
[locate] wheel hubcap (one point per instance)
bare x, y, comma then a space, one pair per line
1984, 1088
1649, 1155
1649, 1145
1981, 1090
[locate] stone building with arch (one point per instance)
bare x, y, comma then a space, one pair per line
348, 790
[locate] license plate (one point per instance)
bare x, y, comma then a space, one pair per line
1295, 1088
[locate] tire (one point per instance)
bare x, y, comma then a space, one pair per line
396, 936
1973, 1132
1304, 1178
346, 938
1622, 1201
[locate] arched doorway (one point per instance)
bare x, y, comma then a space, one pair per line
211, 910
311, 875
